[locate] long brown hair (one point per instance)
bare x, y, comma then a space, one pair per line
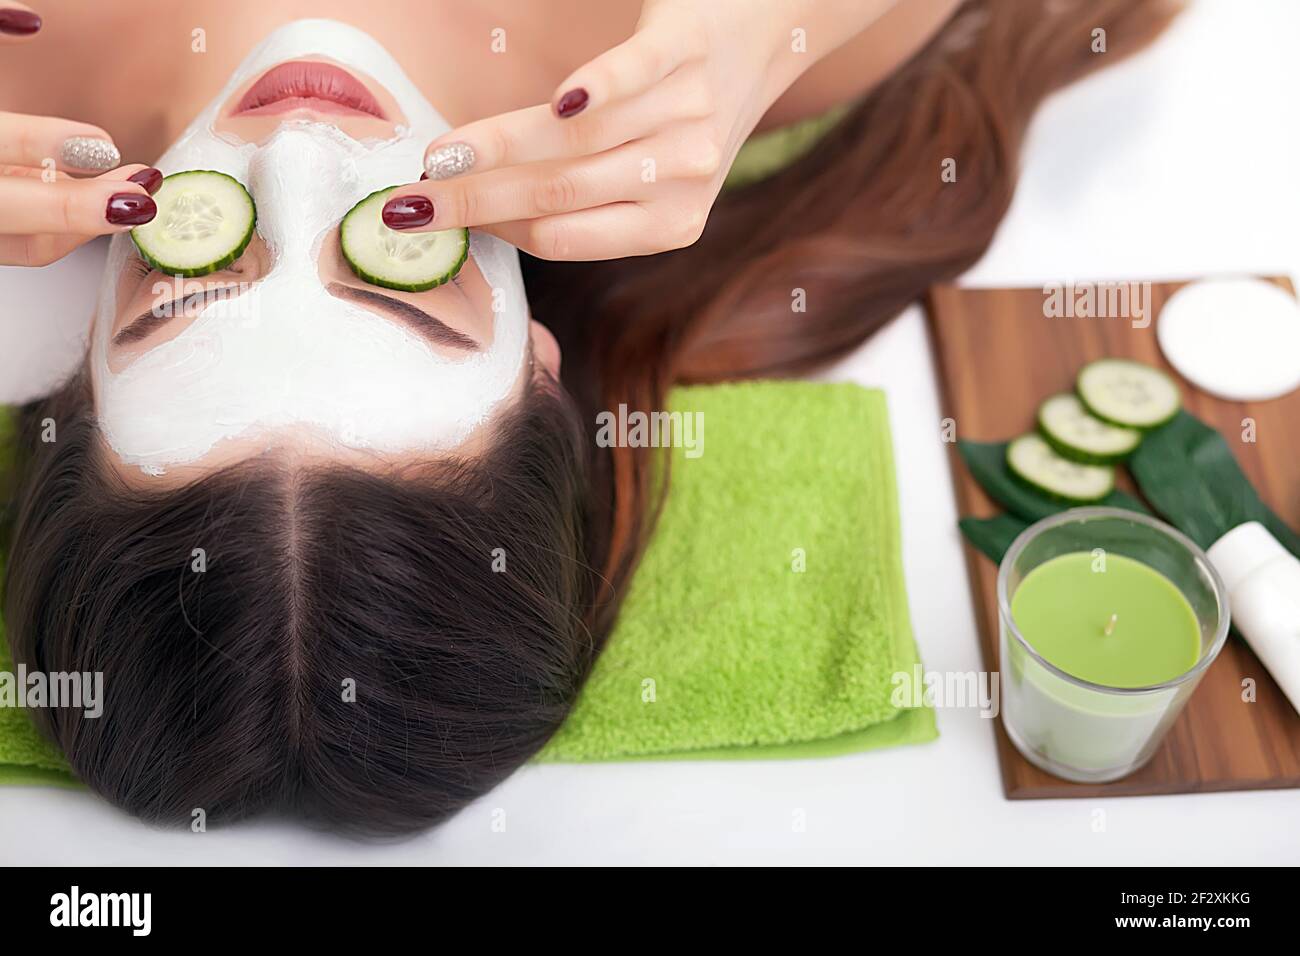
462, 602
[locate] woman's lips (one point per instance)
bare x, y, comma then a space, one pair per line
307, 84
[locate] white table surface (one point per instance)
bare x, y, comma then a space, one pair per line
1178, 163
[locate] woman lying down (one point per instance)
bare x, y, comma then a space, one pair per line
316, 421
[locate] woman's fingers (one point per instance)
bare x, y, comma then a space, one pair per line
146, 176
31, 172
44, 248
634, 65
36, 250
605, 232
528, 135
77, 207
17, 22
533, 135
634, 80
517, 192
39, 141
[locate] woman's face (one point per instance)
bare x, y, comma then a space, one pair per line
287, 348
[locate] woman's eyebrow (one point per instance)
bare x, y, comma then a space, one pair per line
433, 329
142, 326
147, 323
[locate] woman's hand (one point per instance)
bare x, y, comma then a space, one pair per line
44, 212
631, 153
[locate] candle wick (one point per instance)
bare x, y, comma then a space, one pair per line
1110, 625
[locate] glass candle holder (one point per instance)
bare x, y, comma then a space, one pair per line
1083, 729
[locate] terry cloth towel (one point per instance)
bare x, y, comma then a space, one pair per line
769, 614
768, 617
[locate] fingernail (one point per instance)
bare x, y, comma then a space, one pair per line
19, 23
571, 103
450, 160
407, 212
149, 178
86, 152
130, 209
423, 176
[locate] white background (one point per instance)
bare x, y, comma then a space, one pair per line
1180, 163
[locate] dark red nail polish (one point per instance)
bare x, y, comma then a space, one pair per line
19, 23
571, 103
149, 178
423, 176
407, 212
130, 209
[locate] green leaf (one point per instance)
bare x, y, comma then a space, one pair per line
987, 462
1188, 473
992, 536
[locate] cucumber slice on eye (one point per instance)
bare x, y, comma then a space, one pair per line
1080, 436
1033, 461
408, 262
1128, 394
204, 223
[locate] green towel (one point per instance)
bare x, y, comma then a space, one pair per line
723, 649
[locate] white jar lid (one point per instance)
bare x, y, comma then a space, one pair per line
1237, 338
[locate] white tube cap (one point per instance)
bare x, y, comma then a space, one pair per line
1241, 551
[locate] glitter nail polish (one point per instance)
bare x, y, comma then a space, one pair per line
85, 152
450, 160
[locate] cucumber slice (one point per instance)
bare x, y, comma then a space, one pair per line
1081, 437
1032, 460
1128, 394
204, 223
409, 262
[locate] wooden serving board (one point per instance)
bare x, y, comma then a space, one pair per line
998, 357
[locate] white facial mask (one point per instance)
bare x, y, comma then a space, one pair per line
286, 352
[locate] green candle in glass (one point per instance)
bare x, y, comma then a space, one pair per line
1107, 619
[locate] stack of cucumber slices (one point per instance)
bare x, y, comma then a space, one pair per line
205, 221
1082, 435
